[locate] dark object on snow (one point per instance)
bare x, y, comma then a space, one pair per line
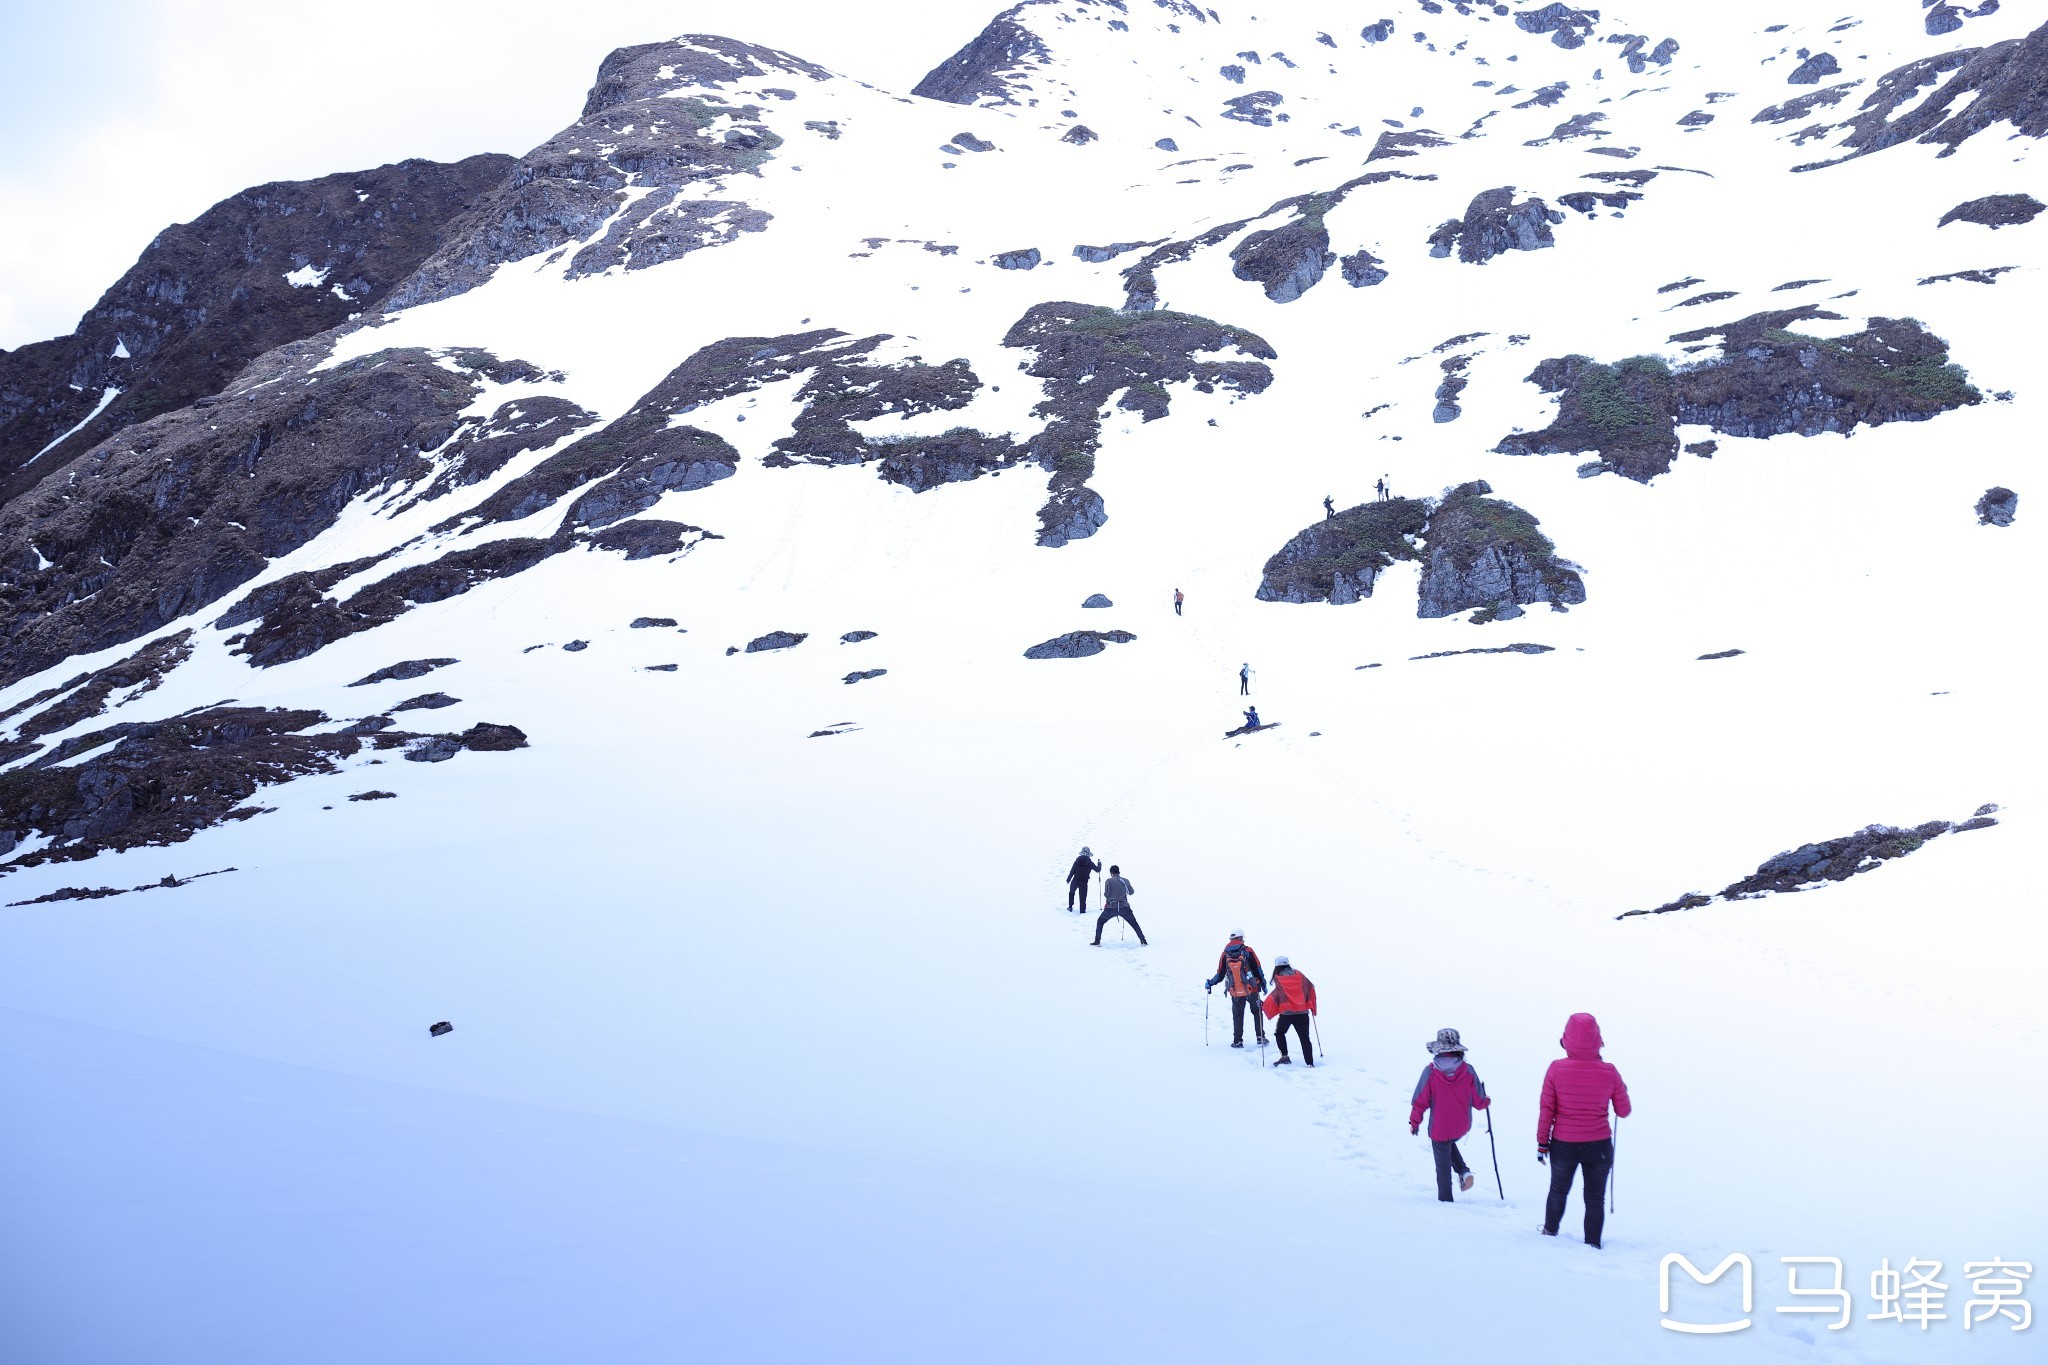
1338, 559
776, 639
1720, 654
426, 701
436, 1030
1494, 223
411, 668
1078, 644
489, 738
1485, 554
1995, 211
1361, 269
576, 646
648, 622
1080, 135
864, 675
433, 749
1249, 729
1096, 599
1813, 68
968, 142
374, 796
854, 637
1997, 506
660, 668
1497, 649
368, 725
1704, 449
1026, 259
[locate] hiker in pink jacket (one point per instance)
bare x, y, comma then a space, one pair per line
1571, 1124
1450, 1090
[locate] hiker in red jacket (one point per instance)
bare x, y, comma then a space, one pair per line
1292, 1000
1450, 1090
1239, 965
1571, 1124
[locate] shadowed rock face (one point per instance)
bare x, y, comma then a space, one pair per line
1338, 559
982, 71
2009, 81
661, 114
1997, 507
1494, 223
1995, 211
1287, 261
175, 513
1482, 552
268, 266
1078, 644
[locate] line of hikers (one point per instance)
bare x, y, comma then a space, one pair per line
1572, 1136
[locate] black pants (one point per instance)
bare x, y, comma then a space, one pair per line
1117, 910
1299, 1023
1082, 889
1176, 608
1238, 1005
1244, 686
1595, 1159
1448, 1160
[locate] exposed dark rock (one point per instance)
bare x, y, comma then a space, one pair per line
207, 297
1800, 106
373, 796
1711, 296
1362, 269
1481, 552
576, 646
1494, 223
1096, 599
178, 511
1997, 507
160, 782
1255, 108
1814, 68
844, 727
86, 697
1098, 254
854, 637
1698, 118
1720, 654
1577, 126
1566, 26
1546, 97
1086, 355
432, 749
650, 622
1405, 143
1338, 559
1995, 211
1590, 202
776, 639
1496, 649
484, 737
638, 132
1080, 135
1167, 144
481, 447
2009, 81
1947, 18
970, 143
411, 668
645, 539
1986, 276
1286, 261
1768, 381
864, 675
1794, 284
1633, 53
1078, 644
1676, 285
93, 893
1454, 382
1231, 72
661, 668
368, 725
1025, 259
1704, 449
1379, 32
427, 701
987, 69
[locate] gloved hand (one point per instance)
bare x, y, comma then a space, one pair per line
1543, 1153
1208, 988
1413, 1129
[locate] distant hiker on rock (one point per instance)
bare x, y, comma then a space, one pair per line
1177, 600
1116, 904
1449, 1090
1571, 1124
1292, 1000
1380, 488
1386, 489
1329, 508
1251, 717
1077, 878
1244, 681
1239, 965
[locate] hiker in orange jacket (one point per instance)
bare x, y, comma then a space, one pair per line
1239, 965
1292, 1000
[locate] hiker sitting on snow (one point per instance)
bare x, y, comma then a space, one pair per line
1251, 718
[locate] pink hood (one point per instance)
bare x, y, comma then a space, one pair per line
1582, 1041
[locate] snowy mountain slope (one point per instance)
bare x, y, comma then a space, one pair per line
823, 969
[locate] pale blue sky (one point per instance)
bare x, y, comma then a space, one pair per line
120, 117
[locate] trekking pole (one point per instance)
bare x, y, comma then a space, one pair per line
1317, 1025
1496, 1155
1205, 1018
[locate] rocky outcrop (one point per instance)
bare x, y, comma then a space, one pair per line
2004, 83
1454, 382
1256, 108
660, 118
987, 71
1995, 211
1088, 355
776, 639
1486, 554
1362, 269
1768, 381
1337, 560
1814, 68
274, 264
1801, 105
1494, 223
86, 696
1567, 27
1997, 507
1830, 860
1286, 261
1078, 644
1097, 601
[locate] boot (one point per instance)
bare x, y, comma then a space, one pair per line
1238, 1043
1285, 1060
1465, 1179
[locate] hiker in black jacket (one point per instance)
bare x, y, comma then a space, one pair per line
1116, 904
1077, 878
